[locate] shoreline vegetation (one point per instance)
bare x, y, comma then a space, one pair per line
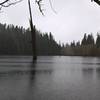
15, 40
86, 47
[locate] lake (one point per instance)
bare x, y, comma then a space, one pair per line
50, 78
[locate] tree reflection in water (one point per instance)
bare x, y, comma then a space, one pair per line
31, 85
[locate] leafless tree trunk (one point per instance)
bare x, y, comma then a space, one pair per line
33, 34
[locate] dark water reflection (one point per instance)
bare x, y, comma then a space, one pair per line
50, 78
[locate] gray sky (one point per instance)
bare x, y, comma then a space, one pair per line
73, 18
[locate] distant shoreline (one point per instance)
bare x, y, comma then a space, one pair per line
51, 55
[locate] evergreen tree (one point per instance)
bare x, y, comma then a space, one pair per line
98, 41
78, 43
84, 40
90, 40
73, 44
17, 40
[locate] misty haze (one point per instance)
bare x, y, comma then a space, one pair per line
49, 50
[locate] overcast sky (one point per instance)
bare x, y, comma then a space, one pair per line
73, 18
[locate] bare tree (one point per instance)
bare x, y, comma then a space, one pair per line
33, 33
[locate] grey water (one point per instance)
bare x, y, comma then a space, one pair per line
50, 78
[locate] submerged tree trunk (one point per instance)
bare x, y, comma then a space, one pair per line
33, 34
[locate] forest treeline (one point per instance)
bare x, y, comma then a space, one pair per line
88, 46
16, 40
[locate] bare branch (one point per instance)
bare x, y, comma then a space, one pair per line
52, 7
4, 2
9, 4
97, 1
39, 5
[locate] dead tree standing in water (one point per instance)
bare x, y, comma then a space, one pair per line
33, 30
33, 33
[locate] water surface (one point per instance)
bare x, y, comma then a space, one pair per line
50, 78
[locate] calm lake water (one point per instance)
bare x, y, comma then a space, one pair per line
50, 78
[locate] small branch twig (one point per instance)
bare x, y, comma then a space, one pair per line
97, 1
52, 7
39, 5
1, 3
8, 3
